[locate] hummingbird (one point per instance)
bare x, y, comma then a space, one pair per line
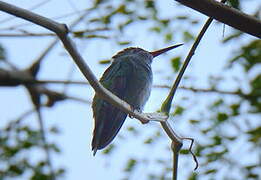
130, 78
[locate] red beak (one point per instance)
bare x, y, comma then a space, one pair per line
158, 52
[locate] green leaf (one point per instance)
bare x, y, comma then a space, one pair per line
97, 2
15, 170
132, 130
194, 22
143, 18
105, 61
78, 34
214, 156
156, 29
206, 130
255, 134
235, 109
122, 9
248, 56
194, 121
148, 141
181, 17
54, 130
130, 165
217, 140
193, 176
2, 53
184, 151
253, 176
234, 3
123, 42
221, 117
150, 4
54, 147
168, 37
217, 103
210, 171
176, 63
187, 36
232, 36
92, 36
178, 111
256, 83
165, 22
109, 149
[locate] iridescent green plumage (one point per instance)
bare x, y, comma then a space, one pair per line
130, 78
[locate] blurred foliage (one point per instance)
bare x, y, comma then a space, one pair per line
215, 151
176, 63
130, 165
17, 141
2, 53
249, 55
234, 3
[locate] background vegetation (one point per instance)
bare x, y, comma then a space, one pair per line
220, 110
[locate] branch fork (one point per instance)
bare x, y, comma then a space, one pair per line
62, 32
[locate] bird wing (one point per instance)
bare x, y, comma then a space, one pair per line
109, 119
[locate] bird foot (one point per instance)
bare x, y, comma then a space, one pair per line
144, 121
139, 110
133, 109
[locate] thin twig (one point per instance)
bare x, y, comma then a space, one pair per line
26, 34
45, 143
17, 80
201, 90
191, 152
56, 18
24, 115
31, 8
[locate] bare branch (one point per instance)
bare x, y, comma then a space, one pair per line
175, 150
26, 34
14, 27
167, 103
62, 31
59, 29
165, 108
227, 15
210, 90
15, 78
31, 8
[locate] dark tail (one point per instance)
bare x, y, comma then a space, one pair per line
107, 127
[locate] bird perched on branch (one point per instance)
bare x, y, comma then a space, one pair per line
130, 78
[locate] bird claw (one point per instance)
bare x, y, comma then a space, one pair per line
133, 109
139, 110
144, 121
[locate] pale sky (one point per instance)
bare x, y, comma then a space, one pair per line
75, 119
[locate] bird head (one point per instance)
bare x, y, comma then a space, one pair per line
143, 54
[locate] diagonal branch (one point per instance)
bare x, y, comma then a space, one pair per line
227, 15
62, 31
166, 105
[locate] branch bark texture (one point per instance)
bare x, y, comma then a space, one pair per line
227, 15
